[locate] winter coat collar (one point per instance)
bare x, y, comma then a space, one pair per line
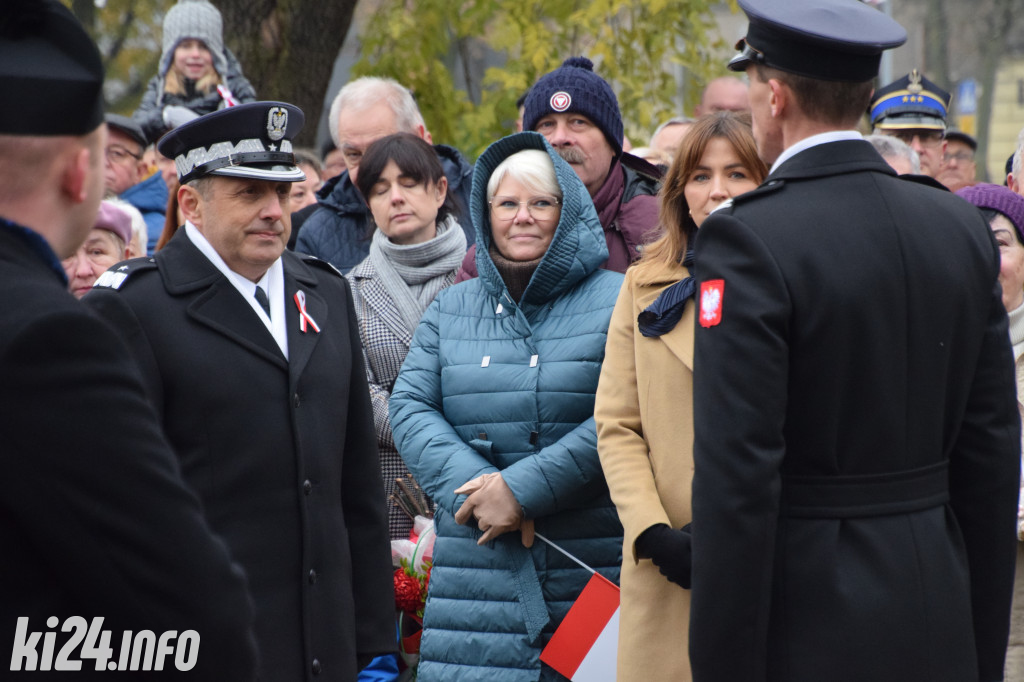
148, 195
343, 197
824, 160
831, 158
184, 271
647, 285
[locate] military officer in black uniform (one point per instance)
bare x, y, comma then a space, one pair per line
251, 355
856, 437
97, 526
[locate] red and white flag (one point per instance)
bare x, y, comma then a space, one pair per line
585, 646
711, 294
227, 96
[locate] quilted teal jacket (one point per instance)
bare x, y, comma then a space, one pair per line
490, 385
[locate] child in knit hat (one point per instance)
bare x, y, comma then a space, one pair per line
197, 73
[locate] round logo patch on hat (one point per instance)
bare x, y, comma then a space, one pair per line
560, 101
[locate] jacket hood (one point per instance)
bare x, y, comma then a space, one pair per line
578, 247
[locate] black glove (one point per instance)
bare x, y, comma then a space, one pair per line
669, 550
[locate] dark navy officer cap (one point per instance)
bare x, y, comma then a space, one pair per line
50, 72
832, 40
912, 102
252, 140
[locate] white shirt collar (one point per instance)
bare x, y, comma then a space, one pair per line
272, 282
814, 141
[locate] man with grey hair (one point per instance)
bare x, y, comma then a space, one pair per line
897, 153
669, 135
365, 110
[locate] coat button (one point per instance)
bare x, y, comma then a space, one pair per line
307, 487
316, 666
312, 576
295, 400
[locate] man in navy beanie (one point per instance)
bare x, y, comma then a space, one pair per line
578, 113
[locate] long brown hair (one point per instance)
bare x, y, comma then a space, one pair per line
677, 227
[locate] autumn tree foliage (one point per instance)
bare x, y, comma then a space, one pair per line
633, 44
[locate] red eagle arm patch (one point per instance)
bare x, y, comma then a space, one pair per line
711, 294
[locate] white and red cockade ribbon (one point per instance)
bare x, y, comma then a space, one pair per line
227, 96
304, 317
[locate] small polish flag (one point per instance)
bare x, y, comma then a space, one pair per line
227, 96
585, 645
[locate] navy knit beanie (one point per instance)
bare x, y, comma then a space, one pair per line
574, 87
1001, 199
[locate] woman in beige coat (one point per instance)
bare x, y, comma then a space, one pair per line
643, 411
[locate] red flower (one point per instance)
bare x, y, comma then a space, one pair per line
409, 592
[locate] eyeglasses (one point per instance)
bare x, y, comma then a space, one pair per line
541, 208
117, 154
927, 138
962, 157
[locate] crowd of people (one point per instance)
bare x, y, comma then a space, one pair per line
761, 373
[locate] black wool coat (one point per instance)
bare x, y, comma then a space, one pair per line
95, 519
282, 452
857, 444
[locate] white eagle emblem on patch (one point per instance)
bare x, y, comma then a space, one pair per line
277, 122
709, 303
711, 293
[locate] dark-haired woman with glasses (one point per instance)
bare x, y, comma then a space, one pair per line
493, 413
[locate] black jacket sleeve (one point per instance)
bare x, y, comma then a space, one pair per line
94, 498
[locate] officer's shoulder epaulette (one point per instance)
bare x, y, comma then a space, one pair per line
760, 191
319, 263
116, 276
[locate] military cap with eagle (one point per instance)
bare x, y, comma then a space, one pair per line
911, 102
252, 140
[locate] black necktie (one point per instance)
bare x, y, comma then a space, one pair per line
261, 298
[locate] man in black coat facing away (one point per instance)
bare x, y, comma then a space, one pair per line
857, 440
251, 355
97, 527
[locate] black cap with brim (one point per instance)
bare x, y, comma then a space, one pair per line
833, 40
51, 74
127, 126
252, 140
961, 136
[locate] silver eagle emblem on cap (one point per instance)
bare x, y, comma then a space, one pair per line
277, 122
